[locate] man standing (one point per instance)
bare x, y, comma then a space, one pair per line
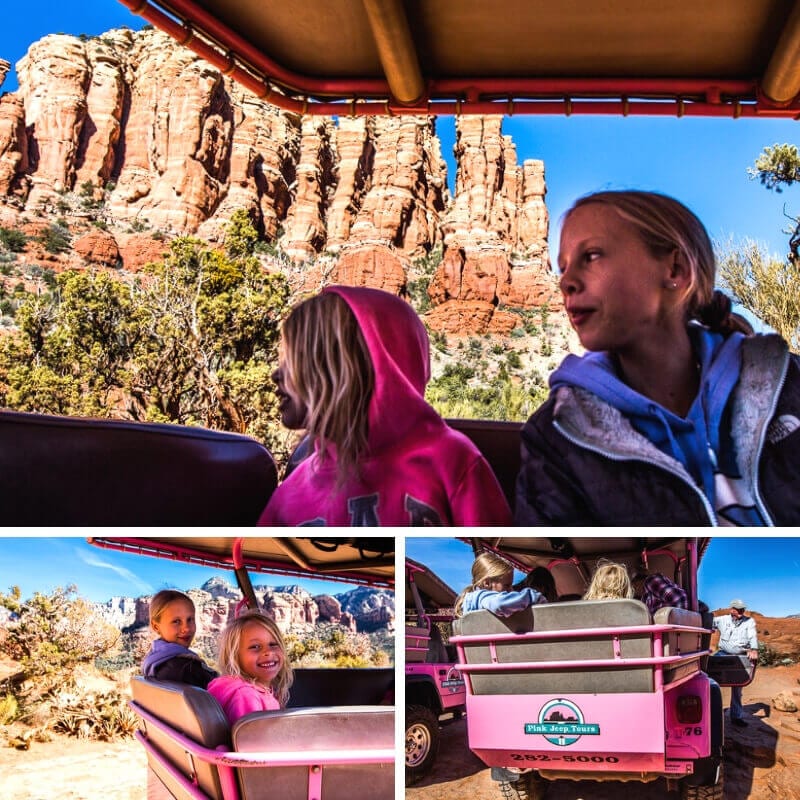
737, 636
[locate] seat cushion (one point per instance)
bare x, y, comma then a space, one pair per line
340, 728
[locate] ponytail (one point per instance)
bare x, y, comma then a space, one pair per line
717, 315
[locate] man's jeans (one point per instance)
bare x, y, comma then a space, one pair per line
736, 702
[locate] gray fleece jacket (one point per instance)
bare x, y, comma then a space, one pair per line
584, 464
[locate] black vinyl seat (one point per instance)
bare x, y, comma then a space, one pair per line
80, 471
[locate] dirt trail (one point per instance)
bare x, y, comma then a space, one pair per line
74, 769
762, 761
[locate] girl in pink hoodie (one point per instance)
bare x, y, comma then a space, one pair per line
353, 370
256, 674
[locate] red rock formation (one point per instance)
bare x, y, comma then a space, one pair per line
13, 147
330, 609
304, 228
98, 247
138, 249
177, 139
495, 231
179, 148
406, 193
470, 317
54, 79
354, 143
371, 265
102, 126
265, 144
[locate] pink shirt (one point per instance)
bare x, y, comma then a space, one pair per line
238, 696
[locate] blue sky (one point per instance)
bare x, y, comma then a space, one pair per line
702, 162
40, 564
764, 571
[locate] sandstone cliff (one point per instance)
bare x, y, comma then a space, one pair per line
292, 607
161, 141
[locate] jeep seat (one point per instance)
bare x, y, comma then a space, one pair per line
196, 714
339, 728
678, 642
560, 617
79, 471
322, 686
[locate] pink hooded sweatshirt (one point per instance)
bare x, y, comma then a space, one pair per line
238, 696
418, 470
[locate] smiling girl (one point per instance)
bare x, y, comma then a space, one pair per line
256, 675
172, 618
676, 415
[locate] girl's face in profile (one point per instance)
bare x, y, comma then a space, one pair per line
617, 294
176, 623
260, 655
501, 583
293, 410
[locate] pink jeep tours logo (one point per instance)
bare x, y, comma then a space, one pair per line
561, 722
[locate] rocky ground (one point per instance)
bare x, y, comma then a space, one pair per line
762, 761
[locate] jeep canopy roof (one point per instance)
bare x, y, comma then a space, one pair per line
666, 57
433, 592
351, 560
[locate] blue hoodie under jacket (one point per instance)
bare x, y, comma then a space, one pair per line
699, 441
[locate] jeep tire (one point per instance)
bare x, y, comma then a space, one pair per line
422, 741
704, 792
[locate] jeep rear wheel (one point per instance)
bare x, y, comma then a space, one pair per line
529, 787
422, 741
706, 792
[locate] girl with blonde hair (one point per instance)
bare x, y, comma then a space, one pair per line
172, 619
609, 582
354, 363
677, 414
490, 589
256, 675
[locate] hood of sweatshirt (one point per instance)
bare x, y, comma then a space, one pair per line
398, 346
694, 441
162, 651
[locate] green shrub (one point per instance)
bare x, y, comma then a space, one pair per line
513, 360
767, 657
9, 708
55, 238
13, 240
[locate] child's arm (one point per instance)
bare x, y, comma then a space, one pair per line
502, 604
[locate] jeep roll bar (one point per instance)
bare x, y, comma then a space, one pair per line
371, 57
357, 560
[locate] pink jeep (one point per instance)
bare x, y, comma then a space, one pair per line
435, 691
597, 690
334, 741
